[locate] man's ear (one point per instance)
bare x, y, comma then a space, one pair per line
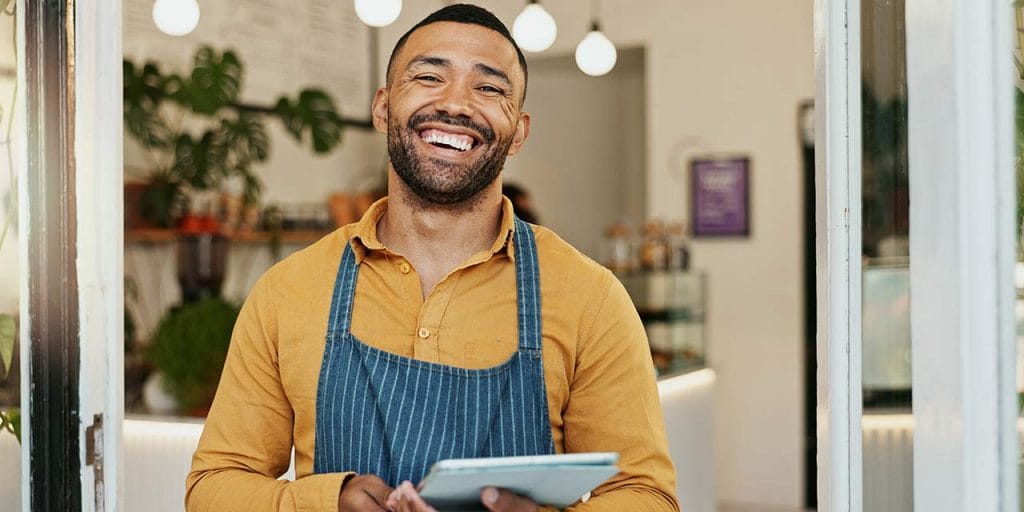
522, 132
380, 110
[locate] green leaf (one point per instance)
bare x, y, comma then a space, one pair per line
215, 82
10, 420
143, 93
15, 419
245, 139
195, 160
312, 112
7, 332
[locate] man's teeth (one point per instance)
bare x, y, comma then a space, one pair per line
460, 142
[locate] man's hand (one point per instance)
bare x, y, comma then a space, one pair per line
364, 492
406, 499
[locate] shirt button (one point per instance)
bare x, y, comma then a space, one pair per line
424, 333
404, 268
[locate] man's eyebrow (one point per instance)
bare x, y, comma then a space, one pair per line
431, 61
497, 73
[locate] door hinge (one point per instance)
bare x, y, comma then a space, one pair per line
94, 458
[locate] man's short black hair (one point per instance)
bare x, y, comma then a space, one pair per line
463, 13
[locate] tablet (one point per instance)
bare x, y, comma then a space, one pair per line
558, 480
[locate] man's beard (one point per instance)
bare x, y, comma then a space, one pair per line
440, 181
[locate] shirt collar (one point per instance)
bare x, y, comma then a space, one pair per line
364, 238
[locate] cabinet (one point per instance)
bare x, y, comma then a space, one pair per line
671, 304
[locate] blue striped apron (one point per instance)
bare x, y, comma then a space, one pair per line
383, 414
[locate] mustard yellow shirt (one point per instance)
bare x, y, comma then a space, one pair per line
602, 394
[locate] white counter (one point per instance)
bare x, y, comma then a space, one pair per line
158, 453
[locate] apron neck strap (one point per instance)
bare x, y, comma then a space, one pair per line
527, 290
527, 287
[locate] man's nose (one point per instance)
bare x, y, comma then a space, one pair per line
456, 100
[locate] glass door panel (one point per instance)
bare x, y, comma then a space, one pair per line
887, 441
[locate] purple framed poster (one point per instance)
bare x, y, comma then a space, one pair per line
720, 196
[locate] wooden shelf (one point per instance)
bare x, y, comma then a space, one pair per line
166, 236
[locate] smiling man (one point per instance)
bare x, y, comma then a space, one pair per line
438, 326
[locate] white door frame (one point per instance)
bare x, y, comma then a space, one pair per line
838, 219
962, 237
962, 254
99, 154
74, 143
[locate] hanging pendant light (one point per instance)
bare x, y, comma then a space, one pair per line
176, 17
596, 55
534, 29
378, 13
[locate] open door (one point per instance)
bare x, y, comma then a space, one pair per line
960, 253
68, 161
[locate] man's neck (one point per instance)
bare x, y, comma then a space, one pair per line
437, 239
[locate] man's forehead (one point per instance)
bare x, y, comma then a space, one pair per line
455, 41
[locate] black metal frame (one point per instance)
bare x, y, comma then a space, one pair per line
54, 345
810, 281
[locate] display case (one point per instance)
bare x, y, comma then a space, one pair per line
671, 304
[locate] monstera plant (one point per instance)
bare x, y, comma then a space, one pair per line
197, 132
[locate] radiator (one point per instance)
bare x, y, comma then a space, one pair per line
888, 449
157, 458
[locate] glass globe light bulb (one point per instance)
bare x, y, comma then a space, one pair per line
595, 55
378, 13
176, 17
534, 29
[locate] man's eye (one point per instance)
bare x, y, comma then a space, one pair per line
490, 89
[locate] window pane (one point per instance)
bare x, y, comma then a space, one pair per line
10, 467
888, 433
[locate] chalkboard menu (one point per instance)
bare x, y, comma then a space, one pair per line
285, 46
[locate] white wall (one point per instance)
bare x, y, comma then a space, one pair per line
584, 166
733, 77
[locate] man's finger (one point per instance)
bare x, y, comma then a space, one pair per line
502, 500
410, 500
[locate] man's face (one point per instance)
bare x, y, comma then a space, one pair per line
451, 110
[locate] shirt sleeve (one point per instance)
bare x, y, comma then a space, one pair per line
247, 440
614, 407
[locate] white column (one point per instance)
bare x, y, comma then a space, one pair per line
961, 254
838, 213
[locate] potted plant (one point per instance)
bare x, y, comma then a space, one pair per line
188, 351
197, 133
